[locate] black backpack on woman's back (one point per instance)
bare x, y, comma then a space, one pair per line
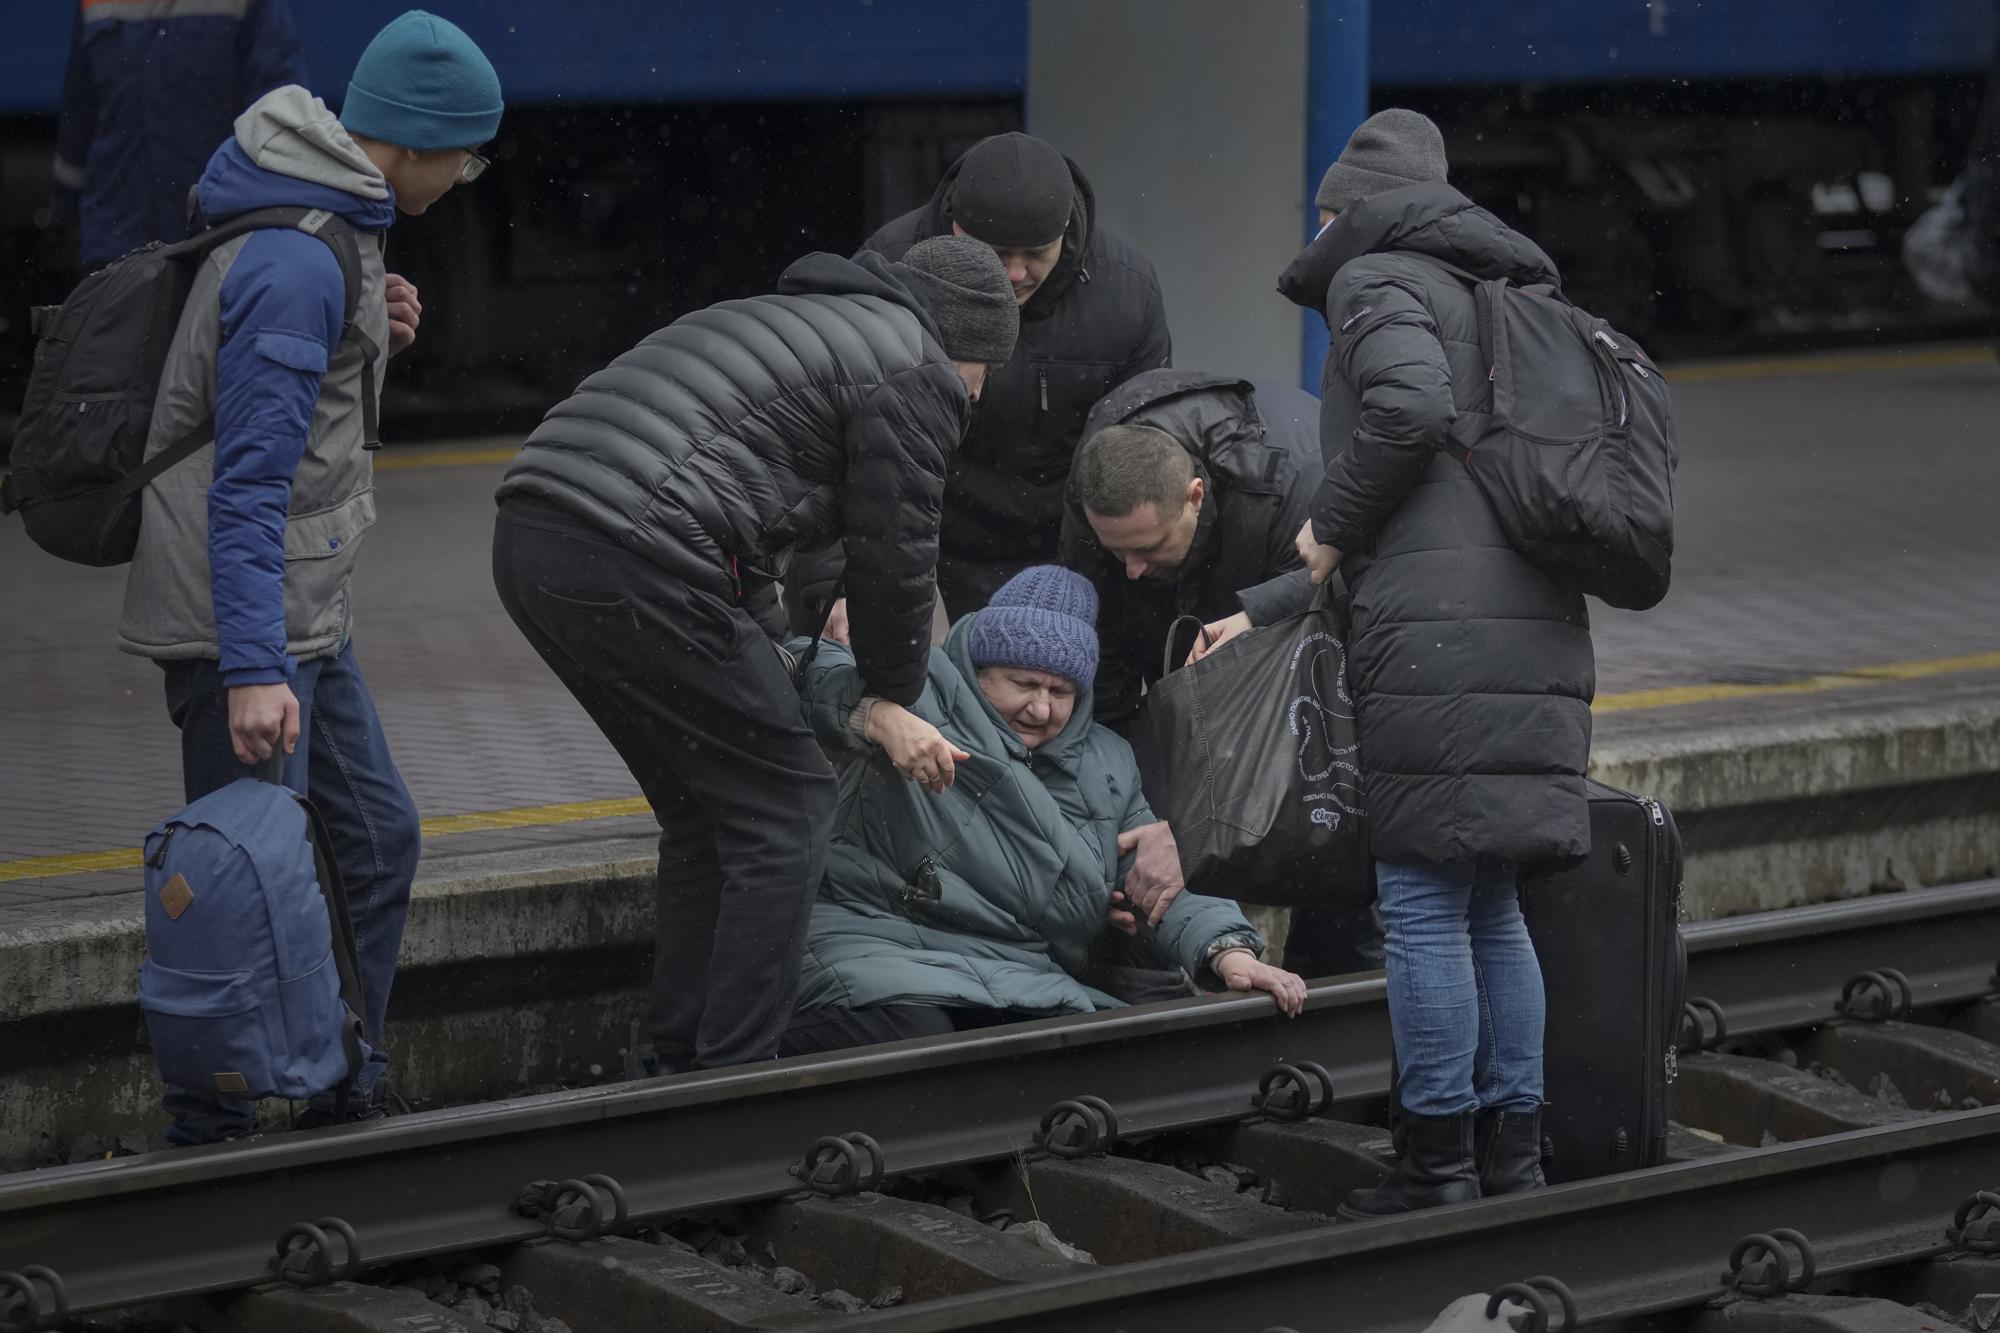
1576, 451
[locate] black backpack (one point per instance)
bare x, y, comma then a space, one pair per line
1577, 457
79, 460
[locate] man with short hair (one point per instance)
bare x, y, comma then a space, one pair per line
1186, 496
1186, 499
241, 584
641, 535
1091, 318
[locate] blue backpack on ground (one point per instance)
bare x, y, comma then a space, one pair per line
251, 988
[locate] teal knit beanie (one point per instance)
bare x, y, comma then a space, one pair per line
423, 84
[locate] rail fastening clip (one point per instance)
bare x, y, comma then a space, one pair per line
1975, 1226
1697, 1034
1535, 1293
21, 1309
304, 1254
839, 1165
1760, 1266
1876, 997
1078, 1127
1294, 1091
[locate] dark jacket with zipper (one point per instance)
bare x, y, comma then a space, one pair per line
1256, 448
1097, 320
739, 432
1473, 668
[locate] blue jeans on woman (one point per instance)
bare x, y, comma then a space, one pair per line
1465, 991
343, 763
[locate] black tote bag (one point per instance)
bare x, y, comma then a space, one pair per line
1261, 753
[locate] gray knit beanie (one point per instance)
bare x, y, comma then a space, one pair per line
1044, 618
964, 286
1013, 191
1389, 150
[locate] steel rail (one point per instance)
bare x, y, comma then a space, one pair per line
1626, 1246
1769, 970
163, 1225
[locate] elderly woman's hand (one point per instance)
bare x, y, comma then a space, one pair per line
1241, 970
917, 749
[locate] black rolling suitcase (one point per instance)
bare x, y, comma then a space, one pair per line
1607, 931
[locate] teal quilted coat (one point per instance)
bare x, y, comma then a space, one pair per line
987, 895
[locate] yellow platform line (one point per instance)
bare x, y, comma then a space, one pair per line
578, 812
438, 826
1829, 363
1674, 695
445, 457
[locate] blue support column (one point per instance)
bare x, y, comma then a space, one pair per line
1336, 102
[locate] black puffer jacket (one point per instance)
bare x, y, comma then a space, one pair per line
1097, 321
744, 430
1474, 669
1256, 447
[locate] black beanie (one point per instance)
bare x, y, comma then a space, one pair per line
964, 287
1013, 191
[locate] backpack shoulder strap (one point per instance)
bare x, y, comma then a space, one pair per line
1469, 279
346, 956
340, 238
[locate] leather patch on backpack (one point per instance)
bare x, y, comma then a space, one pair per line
230, 1082
177, 897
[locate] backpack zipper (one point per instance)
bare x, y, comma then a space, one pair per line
1624, 402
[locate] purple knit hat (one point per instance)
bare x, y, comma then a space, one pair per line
1045, 618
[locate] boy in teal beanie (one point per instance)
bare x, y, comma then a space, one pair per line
423, 98
240, 586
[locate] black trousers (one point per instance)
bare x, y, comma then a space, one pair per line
697, 702
833, 1029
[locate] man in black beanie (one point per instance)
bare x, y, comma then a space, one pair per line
1091, 318
641, 535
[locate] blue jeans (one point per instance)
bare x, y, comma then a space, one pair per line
1465, 991
343, 763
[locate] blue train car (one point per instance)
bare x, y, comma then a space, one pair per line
1422, 43
1699, 165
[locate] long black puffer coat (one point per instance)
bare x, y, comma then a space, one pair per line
1256, 448
1473, 668
749, 428
1097, 321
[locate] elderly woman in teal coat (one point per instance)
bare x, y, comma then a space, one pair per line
980, 842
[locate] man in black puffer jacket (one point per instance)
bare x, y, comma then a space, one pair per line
641, 533
1091, 318
1473, 669
1186, 500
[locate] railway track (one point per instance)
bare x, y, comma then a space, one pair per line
1838, 1109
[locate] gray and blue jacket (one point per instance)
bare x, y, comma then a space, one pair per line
246, 549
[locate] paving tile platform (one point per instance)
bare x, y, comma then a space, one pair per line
1836, 514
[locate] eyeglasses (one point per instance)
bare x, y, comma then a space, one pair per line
472, 168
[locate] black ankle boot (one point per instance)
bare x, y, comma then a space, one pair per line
1437, 1168
1509, 1148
